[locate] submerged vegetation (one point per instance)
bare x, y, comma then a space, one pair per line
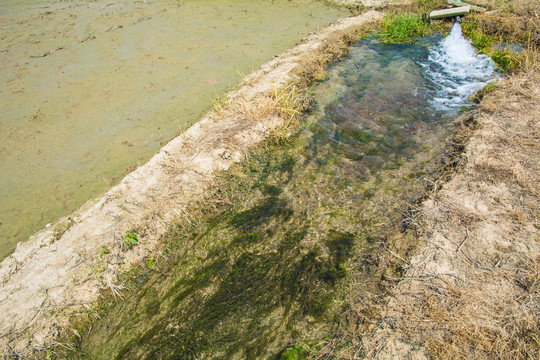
289, 241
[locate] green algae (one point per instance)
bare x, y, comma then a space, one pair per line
109, 96
261, 277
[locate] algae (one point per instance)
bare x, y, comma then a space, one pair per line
88, 95
274, 265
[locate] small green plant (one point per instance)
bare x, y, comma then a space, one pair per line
104, 251
130, 239
220, 104
478, 38
403, 28
298, 351
465, 108
479, 95
506, 60
151, 263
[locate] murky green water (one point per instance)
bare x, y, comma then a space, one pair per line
91, 89
295, 249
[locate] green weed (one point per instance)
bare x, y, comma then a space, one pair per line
104, 251
487, 39
506, 59
130, 239
403, 28
220, 104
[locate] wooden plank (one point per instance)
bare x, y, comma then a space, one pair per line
459, 11
461, 3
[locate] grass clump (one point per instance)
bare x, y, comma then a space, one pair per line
403, 28
289, 103
130, 239
511, 40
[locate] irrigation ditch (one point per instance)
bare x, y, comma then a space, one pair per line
289, 253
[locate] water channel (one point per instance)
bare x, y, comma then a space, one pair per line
282, 263
92, 89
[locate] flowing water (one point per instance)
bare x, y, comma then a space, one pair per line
91, 89
295, 249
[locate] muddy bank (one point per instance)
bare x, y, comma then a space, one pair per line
91, 90
58, 271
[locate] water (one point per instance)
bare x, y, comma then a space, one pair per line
92, 89
456, 71
297, 246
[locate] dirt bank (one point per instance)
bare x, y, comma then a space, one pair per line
473, 290
60, 270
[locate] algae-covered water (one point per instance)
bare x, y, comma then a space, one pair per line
91, 89
294, 247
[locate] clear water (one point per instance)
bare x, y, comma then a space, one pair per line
297, 246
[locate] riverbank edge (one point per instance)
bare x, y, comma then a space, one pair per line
468, 286
61, 270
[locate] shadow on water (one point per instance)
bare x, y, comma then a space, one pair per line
280, 264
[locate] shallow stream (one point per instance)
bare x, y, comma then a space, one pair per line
295, 249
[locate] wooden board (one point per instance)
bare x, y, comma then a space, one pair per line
459, 11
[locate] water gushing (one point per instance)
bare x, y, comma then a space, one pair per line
456, 71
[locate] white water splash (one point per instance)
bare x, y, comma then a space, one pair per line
456, 71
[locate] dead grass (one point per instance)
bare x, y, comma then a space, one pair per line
312, 65
468, 284
281, 108
518, 21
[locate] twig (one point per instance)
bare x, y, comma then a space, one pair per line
393, 253
463, 242
65, 346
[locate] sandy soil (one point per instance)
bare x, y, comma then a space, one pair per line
59, 270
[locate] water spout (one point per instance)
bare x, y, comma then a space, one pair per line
456, 70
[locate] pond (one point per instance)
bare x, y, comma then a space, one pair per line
92, 89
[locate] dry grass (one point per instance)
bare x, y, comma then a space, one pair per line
282, 107
518, 21
472, 288
312, 65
